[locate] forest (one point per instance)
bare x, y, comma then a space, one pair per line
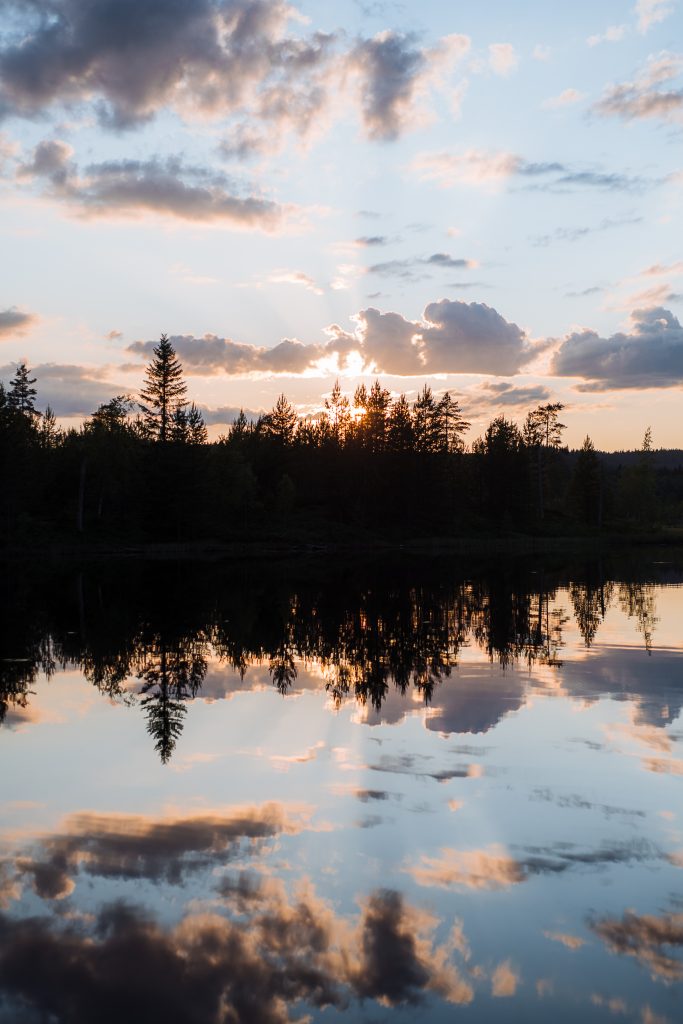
142, 470
147, 632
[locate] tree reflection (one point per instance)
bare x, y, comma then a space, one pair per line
366, 630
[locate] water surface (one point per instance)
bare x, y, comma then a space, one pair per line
265, 793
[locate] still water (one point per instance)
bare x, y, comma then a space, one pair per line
420, 791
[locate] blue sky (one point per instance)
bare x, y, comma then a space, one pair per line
484, 197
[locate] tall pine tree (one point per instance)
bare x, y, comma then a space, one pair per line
164, 390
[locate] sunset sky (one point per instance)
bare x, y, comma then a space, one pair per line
486, 197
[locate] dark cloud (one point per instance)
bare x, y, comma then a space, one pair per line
570, 180
211, 968
494, 868
649, 95
211, 354
481, 167
406, 268
463, 337
369, 240
650, 355
403, 269
137, 56
475, 705
13, 321
393, 971
656, 942
365, 795
573, 801
112, 846
595, 289
504, 393
453, 337
574, 234
227, 414
443, 259
69, 390
133, 187
410, 764
390, 66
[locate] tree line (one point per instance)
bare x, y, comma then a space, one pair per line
143, 469
154, 629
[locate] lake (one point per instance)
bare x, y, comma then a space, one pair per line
410, 788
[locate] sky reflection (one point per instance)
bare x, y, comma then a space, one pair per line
467, 794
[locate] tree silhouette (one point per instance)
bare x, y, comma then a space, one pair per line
163, 392
21, 395
280, 422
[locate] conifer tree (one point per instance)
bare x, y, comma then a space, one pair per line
339, 412
21, 395
424, 421
450, 425
400, 434
164, 390
280, 423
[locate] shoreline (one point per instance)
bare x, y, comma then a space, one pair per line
511, 544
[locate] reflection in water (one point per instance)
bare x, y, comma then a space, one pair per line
342, 853
365, 636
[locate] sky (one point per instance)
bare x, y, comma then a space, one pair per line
483, 197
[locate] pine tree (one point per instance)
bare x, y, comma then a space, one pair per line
281, 421
450, 425
339, 411
163, 394
21, 393
424, 421
400, 434
49, 433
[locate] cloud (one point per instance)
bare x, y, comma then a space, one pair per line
263, 954
211, 354
227, 414
393, 73
295, 277
69, 390
371, 240
565, 99
572, 942
164, 188
408, 269
472, 869
504, 981
390, 67
502, 59
13, 321
575, 233
651, 12
642, 97
473, 167
507, 394
651, 940
452, 337
493, 868
541, 52
236, 59
133, 59
650, 355
127, 847
483, 167
613, 34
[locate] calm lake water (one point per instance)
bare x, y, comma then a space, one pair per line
264, 793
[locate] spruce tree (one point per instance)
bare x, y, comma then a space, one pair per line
21, 395
164, 390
